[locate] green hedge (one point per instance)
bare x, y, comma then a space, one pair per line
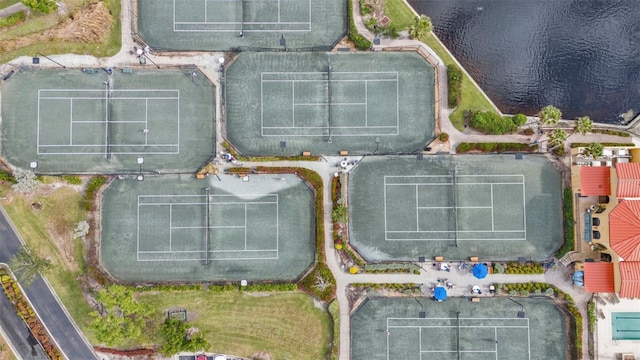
610, 132
232, 150
7, 176
454, 79
579, 144
526, 268
72, 180
569, 224
395, 287
495, 147
169, 287
92, 189
252, 287
489, 122
360, 41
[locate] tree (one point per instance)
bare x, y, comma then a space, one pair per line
26, 264
26, 181
594, 150
583, 125
44, 6
550, 115
557, 137
420, 27
120, 317
179, 337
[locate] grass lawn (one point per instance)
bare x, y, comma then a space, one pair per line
7, 3
40, 22
61, 210
471, 97
286, 325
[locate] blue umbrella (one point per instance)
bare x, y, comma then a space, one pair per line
439, 293
480, 271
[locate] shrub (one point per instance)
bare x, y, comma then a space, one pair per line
489, 122
92, 189
454, 80
360, 41
519, 119
7, 177
319, 283
569, 224
498, 268
12, 19
72, 180
499, 147
353, 270
371, 23
444, 137
365, 9
528, 131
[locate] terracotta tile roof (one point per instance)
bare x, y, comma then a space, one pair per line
624, 230
595, 180
628, 180
598, 277
629, 279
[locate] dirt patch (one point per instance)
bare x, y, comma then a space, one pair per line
90, 24
262, 355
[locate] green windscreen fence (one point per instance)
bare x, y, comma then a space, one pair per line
373, 103
178, 228
92, 122
390, 328
495, 207
241, 24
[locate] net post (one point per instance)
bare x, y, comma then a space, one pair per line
458, 334
241, 17
455, 203
207, 233
329, 99
106, 121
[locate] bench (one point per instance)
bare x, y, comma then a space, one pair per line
344, 153
306, 153
127, 70
439, 258
199, 176
475, 299
473, 259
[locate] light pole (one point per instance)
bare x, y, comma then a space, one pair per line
521, 313
140, 161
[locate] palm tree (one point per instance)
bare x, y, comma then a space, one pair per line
26, 264
583, 125
557, 137
594, 150
550, 115
420, 27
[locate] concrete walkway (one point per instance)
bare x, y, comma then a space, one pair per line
208, 64
12, 9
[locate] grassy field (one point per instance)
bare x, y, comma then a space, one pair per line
471, 96
5, 351
286, 325
6, 3
61, 210
40, 22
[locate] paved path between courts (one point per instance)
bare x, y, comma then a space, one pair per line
209, 65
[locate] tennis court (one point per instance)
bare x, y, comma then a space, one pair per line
177, 228
327, 102
392, 328
243, 24
495, 207
78, 122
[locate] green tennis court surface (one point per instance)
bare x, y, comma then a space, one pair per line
177, 228
390, 328
69, 121
241, 24
492, 206
327, 102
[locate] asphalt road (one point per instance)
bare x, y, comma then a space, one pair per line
53, 315
17, 332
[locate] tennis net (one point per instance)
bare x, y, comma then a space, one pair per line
458, 333
455, 203
329, 98
107, 106
207, 232
241, 17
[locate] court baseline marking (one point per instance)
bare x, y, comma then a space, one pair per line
206, 22
200, 201
102, 96
334, 74
417, 184
495, 328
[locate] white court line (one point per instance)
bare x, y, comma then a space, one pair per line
428, 325
325, 103
207, 22
103, 97
416, 184
171, 227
